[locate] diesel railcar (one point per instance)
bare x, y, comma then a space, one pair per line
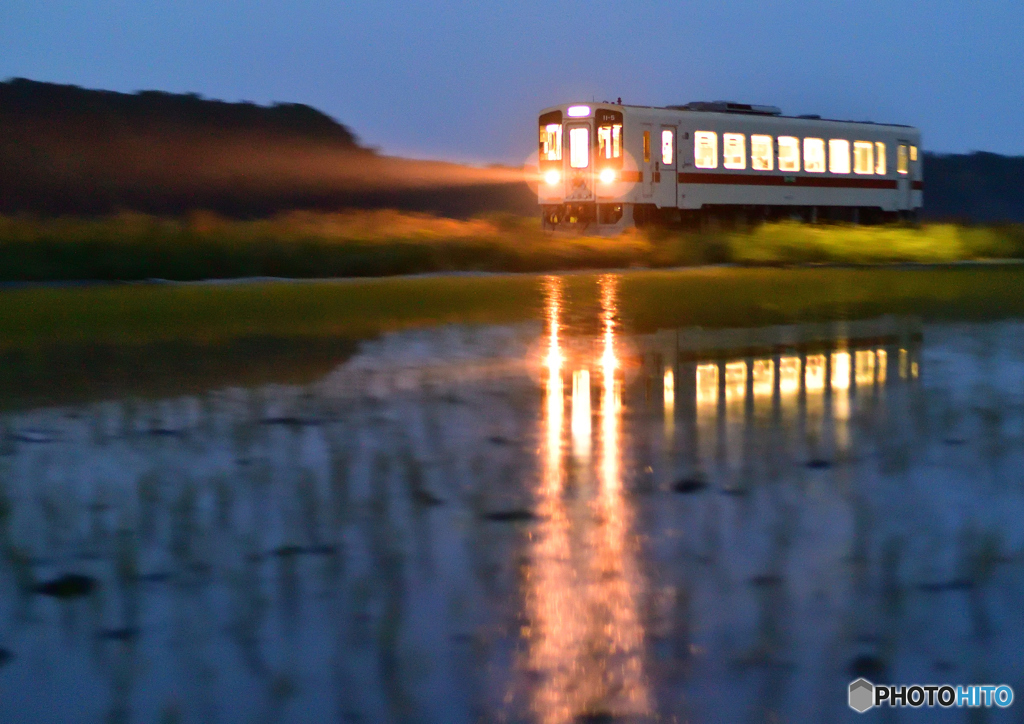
614, 165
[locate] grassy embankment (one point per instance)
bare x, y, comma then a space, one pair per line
382, 243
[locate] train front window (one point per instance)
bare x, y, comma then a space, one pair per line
609, 138
789, 153
609, 142
762, 155
551, 142
550, 148
579, 147
863, 157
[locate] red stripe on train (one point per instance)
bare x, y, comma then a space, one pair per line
742, 179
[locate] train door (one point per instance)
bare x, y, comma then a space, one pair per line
665, 186
904, 184
647, 163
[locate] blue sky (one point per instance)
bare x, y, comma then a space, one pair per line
464, 80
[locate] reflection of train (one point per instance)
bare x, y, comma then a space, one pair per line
711, 366
615, 164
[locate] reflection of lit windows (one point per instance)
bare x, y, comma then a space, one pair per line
762, 153
705, 149
883, 359
840, 370
838, 155
647, 146
551, 142
789, 153
814, 155
789, 375
864, 367
903, 363
609, 141
735, 380
880, 158
670, 389
734, 150
668, 147
707, 384
814, 376
913, 370
764, 377
579, 147
902, 165
863, 157
913, 153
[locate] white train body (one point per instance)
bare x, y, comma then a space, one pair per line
612, 164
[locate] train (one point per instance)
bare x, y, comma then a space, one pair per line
614, 165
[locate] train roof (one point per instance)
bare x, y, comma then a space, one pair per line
743, 109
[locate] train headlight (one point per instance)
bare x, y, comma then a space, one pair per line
552, 177
606, 176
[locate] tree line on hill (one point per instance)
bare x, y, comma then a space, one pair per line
70, 150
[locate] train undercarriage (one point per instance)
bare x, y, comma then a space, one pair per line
597, 217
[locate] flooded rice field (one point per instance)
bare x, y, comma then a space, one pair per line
554, 520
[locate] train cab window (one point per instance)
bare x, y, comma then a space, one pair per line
880, 158
814, 155
863, 157
668, 147
902, 164
762, 153
647, 146
789, 153
838, 155
913, 153
734, 150
579, 147
609, 137
551, 142
705, 149
609, 141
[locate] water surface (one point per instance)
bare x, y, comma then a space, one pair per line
566, 518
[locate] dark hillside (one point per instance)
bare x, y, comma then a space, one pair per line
69, 150
979, 187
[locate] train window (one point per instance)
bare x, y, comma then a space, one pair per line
647, 146
762, 153
902, 165
838, 155
880, 158
551, 142
705, 149
609, 141
814, 155
789, 153
913, 153
668, 147
863, 157
734, 150
579, 147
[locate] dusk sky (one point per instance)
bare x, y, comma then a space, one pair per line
464, 80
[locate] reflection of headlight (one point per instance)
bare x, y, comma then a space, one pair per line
552, 177
607, 176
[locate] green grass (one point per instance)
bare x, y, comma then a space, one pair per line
382, 243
